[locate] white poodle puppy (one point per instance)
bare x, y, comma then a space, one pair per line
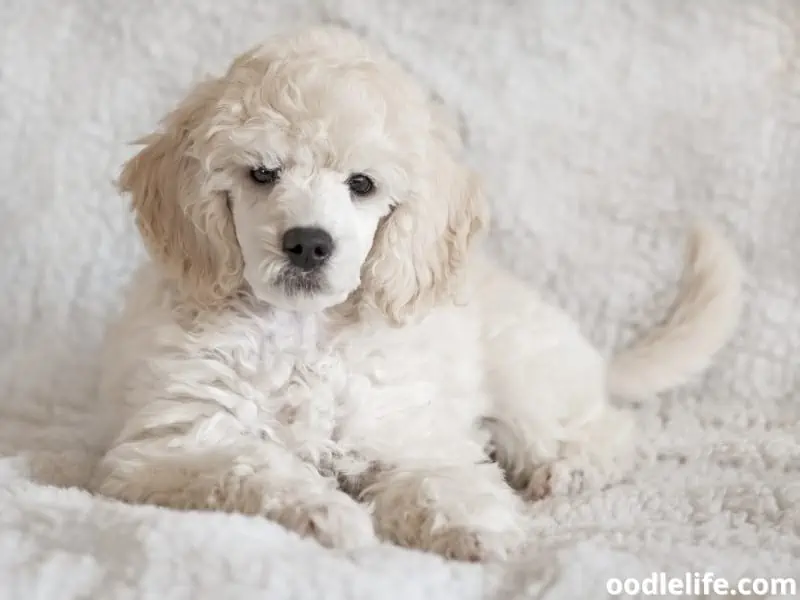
318, 340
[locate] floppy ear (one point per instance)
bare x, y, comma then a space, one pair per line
186, 226
419, 250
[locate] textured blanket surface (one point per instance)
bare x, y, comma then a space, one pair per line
603, 129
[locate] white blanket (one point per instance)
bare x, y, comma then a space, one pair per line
602, 129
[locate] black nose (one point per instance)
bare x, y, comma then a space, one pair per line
307, 247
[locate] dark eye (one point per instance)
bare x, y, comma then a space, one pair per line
264, 176
360, 184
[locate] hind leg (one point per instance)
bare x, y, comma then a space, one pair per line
552, 427
538, 462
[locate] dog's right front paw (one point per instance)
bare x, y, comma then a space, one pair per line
461, 544
335, 521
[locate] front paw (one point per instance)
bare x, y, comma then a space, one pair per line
335, 521
475, 545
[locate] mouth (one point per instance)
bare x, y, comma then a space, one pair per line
297, 282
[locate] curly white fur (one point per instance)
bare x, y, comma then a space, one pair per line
367, 407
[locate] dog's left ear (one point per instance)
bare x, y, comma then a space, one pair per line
420, 250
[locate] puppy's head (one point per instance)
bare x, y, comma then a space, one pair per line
315, 170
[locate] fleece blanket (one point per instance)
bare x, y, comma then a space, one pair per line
603, 129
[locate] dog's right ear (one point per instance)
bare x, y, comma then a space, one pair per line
186, 225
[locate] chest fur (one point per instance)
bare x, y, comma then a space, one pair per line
323, 395
296, 380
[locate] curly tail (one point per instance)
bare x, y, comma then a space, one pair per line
702, 320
